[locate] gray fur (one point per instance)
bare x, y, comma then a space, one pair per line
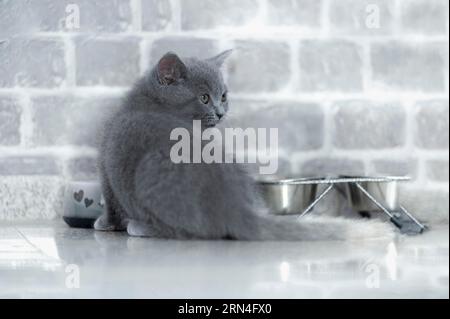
149, 195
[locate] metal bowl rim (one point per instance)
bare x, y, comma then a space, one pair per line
293, 181
331, 180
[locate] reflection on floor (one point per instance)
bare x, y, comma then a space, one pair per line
54, 261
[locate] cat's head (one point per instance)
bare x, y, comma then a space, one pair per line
192, 88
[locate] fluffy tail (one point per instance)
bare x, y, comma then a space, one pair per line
311, 228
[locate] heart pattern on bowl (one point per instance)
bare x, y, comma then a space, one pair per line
88, 202
78, 196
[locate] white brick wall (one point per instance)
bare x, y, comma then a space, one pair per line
347, 98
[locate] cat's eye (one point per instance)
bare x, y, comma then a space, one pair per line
224, 97
204, 98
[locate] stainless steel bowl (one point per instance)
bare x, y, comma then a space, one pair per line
284, 197
386, 193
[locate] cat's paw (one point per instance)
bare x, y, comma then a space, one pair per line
139, 229
103, 223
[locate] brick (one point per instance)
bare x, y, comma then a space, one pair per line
107, 62
437, 170
19, 17
32, 62
386, 167
29, 165
69, 120
184, 47
328, 166
408, 67
284, 169
30, 197
104, 16
156, 15
294, 13
10, 113
330, 65
300, 126
83, 168
356, 17
424, 16
259, 66
365, 125
205, 14
432, 124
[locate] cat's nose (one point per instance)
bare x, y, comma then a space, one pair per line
220, 111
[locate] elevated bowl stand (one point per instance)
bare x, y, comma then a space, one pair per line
400, 217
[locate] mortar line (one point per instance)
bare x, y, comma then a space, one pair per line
70, 61
26, 121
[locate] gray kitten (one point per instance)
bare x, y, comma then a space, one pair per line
147, 194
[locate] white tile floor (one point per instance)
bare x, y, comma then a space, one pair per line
42, 261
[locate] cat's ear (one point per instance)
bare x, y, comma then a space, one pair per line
219, 59
171, 69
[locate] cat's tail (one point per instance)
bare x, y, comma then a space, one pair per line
311, 228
